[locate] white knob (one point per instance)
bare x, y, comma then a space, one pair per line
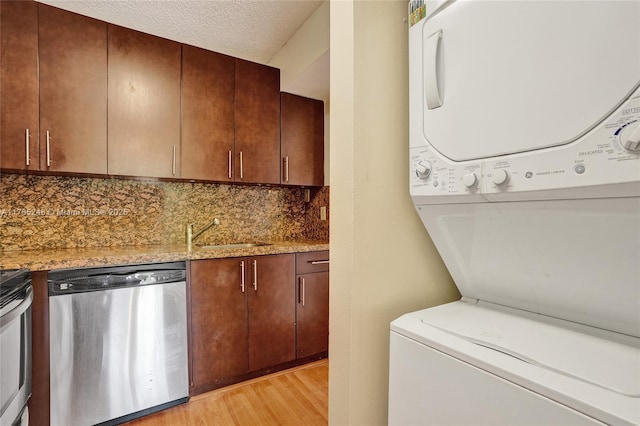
500, 177
630, 137
423, 169
470, 180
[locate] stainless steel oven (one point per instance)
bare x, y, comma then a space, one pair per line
16, 296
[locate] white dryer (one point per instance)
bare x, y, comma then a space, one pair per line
525, 170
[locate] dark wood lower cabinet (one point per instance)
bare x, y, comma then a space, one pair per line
242, 318
271, 311
312, 307
218, 322
39, 401
312, 314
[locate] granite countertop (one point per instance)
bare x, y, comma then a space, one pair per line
44, 260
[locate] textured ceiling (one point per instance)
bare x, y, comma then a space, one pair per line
248, 29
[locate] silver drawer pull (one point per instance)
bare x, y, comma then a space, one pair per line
319, 262
286, 168
26, 139
48, 150
242, 275
173, 162
255, 275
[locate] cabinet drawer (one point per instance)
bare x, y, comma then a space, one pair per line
315, 261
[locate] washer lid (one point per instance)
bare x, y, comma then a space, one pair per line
504, 77
583, 353
591, 370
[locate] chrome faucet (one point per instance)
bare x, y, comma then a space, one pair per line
191, 236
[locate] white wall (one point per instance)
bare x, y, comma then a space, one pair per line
305, 52
383, 263
304, 67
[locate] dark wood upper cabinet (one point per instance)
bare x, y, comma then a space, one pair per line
79, 95
73, 92
144, 104
257, 156
208, 127
19, 85
302, 139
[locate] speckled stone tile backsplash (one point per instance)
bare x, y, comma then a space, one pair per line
63, 212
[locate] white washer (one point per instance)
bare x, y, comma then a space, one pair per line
525, 170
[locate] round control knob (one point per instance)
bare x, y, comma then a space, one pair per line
423, 169
500, 177
470, 180
630, 137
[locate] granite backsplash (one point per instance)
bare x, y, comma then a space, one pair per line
39, 212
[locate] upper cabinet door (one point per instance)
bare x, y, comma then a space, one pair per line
257, 123
302, 139
144, 104
73, 92
207, 114
19, 85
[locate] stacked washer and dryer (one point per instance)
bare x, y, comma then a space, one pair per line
525, 170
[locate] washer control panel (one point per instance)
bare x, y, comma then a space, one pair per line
607, 155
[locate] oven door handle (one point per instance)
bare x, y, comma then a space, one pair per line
18, 310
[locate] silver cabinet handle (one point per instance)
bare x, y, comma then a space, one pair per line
286, 168
26, 141
319, 262
242, 275
255, 275
241, 167
301, 291
173, 161
48, 150
230, 164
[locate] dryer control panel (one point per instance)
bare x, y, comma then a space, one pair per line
438, 180
605, 162
605, 156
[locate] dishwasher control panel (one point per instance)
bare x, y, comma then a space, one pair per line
95, 279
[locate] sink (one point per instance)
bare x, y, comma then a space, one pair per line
231, 246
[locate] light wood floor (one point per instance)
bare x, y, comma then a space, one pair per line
292, 397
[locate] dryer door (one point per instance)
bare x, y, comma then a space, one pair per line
505, 77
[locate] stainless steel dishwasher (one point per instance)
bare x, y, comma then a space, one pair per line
118, 342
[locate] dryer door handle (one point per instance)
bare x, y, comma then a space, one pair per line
431, 66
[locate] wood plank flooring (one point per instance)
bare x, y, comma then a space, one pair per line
298, 396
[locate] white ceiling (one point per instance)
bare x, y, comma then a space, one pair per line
249, 29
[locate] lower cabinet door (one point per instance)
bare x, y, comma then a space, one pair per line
219, 335
313, 314
271, 310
